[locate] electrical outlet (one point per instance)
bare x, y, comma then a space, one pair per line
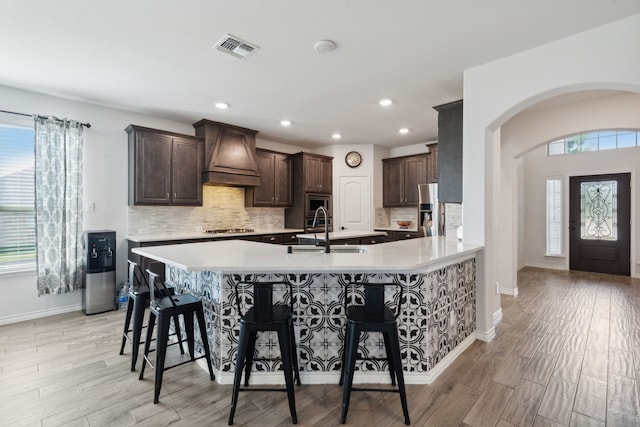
497, 287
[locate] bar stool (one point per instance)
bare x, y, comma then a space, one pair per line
164, 307
372, 316
138, 301
265, 316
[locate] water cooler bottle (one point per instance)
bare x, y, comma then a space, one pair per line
99, 277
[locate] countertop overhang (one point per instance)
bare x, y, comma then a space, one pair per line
245, 256
340, 235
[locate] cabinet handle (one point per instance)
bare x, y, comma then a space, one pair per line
175, 195
272, 239
167, 195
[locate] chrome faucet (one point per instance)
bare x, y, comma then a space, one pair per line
327, 246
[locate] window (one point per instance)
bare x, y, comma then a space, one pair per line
17, 222
554, 217
594, 141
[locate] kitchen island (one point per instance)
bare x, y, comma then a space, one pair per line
436, 323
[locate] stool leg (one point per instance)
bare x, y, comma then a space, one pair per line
394, 343
294, 352
243, 341
389, 359
139, 306
205, 339
147, 342
351, 349
176, 325
162, 336
125, 332
344, 353
251, 348
287, 367
188, 325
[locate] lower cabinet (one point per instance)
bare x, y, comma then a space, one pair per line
393, 235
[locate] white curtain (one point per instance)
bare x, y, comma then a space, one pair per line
58, 205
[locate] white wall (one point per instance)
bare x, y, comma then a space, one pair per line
536, 127
105, 184
602, 58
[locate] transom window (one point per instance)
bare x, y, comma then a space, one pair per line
594, 141
17, 221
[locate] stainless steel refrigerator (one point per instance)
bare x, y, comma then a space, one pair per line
430, 211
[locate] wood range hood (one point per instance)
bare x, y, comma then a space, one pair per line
229, 154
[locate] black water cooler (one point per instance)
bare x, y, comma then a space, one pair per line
99, 277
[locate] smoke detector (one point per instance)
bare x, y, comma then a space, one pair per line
324, 46
235, 46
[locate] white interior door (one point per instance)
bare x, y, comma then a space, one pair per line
355, 205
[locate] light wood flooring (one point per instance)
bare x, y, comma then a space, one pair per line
567, 353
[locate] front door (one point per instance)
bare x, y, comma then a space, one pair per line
354, 203
599, 223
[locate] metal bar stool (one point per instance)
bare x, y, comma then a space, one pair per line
265, 316
163, 307
138, 301
372, 316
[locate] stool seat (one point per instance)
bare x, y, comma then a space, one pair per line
163, 308
372, 316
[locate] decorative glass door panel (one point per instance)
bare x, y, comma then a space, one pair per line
599, 210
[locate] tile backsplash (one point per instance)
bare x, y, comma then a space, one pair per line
222, 207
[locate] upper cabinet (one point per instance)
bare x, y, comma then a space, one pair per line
400, 179
165, 168
432, 164
314, 172
450, 152
275, 180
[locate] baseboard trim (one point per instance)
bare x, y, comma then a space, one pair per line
6, 320
507, 291
497, 316
486, 336
265, 378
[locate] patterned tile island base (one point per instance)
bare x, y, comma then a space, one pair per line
437, 319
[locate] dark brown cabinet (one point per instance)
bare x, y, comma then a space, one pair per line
400, 179
393, 235
318, 173
164, 168
275, 180
432, 164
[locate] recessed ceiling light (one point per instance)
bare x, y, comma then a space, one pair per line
403, 130
385, 102
285, 122
336, 136
221, 105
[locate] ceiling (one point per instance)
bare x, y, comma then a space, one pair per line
157, 57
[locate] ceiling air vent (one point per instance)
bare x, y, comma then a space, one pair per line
234, 46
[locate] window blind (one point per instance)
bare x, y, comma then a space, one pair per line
17, 217
554, 217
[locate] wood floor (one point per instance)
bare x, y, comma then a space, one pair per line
567, 353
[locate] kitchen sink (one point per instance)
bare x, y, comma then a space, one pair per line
320, 249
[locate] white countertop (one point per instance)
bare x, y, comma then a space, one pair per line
161, 237
339, 235
245, 256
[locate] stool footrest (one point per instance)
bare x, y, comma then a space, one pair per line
384, 390
262, 389
150, 362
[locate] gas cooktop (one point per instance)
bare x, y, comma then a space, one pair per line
229, 230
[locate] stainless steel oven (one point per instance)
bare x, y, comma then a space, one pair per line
314, 201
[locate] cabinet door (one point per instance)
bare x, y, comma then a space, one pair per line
152, 180
282, 180
187, 171
313, 171
415, 173
432, 164
263, 195
326, 176
392, 183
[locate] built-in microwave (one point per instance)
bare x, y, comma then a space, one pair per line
319, 228
314, 201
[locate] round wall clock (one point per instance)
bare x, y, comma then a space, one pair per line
353, 159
